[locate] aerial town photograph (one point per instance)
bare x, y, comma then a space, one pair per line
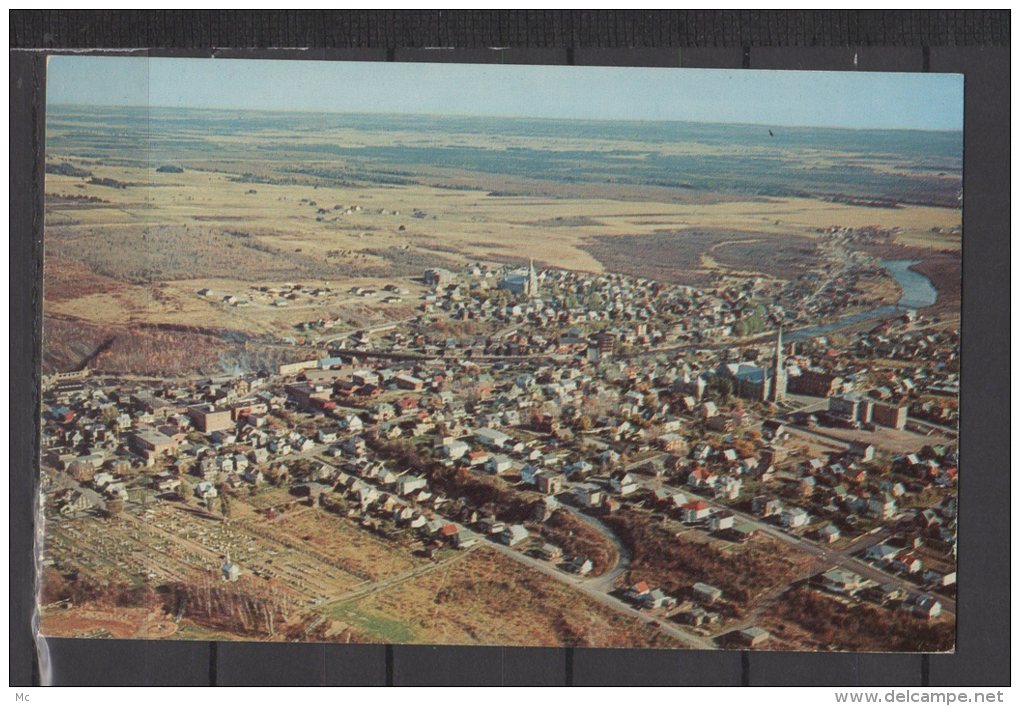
500, 355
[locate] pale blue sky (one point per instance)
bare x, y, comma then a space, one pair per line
823, 99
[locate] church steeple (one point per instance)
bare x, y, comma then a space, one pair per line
532, 279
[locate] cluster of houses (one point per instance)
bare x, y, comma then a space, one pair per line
698, 607
227, 430
273, 295
846, 583
901, 554
558, 403
816, 294
926, 385
591, 315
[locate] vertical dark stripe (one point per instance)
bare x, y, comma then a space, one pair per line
746, 60
926, 59
745, 668
925, 670
391, 54
568, 666
570, 56
389, 665
213, 662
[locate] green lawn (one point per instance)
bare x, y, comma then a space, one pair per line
390, 630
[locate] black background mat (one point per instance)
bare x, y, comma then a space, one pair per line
974, 43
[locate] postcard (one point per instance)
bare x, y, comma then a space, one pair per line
370, 352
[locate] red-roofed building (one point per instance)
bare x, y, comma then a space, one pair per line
406, 404
701, 478
640, 588
696, 510
477, 458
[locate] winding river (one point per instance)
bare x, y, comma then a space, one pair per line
918, 292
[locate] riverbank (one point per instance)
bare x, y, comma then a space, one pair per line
913, 291
945, 272
943, 268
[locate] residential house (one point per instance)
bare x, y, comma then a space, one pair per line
829, 533
407, 484
907, 563
765, 506
498, 464
638, 591
696, 511
588, 495
842, 581
580, 565
549, 483
752, 637
862, 450
550, 552
657, 598
794, 517
882, 553
477, 458
720, 521
882, 506
514, 535
455, 449
463, 538
622, 483
922, 606
705, 593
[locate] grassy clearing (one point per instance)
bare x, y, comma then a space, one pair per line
386, 628
490, 599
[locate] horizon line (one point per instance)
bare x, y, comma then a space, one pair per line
503, 117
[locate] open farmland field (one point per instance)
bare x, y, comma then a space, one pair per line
342, 201
489, 599
692, 257
358, 150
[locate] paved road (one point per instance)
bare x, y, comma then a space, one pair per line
333, 336
596, 587
952, 431
819, 436
374, 586
607, 580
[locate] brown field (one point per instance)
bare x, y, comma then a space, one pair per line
489, 599
119, 622
693, 256
339, 539
117, 256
